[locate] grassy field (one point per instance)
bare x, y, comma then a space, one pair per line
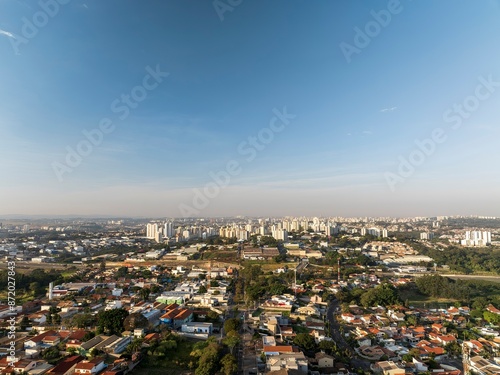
269, 265
21, 298
491, 278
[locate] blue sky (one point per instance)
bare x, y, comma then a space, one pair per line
353, 120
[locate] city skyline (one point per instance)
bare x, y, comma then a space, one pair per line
176, 109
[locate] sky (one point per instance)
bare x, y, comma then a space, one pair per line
237, 107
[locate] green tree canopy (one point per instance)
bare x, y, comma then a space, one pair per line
383, 295
232, 339
229, 364
305, 341
135, 320
232, 324
111, 321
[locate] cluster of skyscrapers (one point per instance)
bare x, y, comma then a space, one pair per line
158, 231
476, 238
243, 229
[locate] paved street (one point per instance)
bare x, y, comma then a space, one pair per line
356, 362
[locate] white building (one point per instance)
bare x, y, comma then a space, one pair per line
168, 229
426, 236
151, 230
476, 238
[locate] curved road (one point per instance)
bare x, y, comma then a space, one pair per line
356, 362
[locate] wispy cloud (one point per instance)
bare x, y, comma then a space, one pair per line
367, 132
388, 109
7, 33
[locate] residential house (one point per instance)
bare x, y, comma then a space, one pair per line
484, 366
41, 368
388, 368
324, 360
196, 327
115, 344
184, 316
35, 344
91, 367
24, 365
277, 349
290, 361
493, 309
66, 366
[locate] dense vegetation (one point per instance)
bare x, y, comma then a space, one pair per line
111, 321
33, 283
463, 259
253, 284
476, 293
384, 295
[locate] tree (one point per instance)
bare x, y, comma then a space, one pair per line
212, 315
36, 289
135, 320
25, 322
155, 288
208, 362
232, 324
71, 351
111, 321
252, 272
144, 293
328, 346
121, 272
84, 320
412, 320
453, 348
480, 303
232, 339
202, 289
491, 317
305, 341
95, 352
383, 295
51, 353
229, 364
476, 314
56, 319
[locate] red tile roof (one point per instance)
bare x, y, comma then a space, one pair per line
279, 349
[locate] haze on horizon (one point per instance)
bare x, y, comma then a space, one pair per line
260, 109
